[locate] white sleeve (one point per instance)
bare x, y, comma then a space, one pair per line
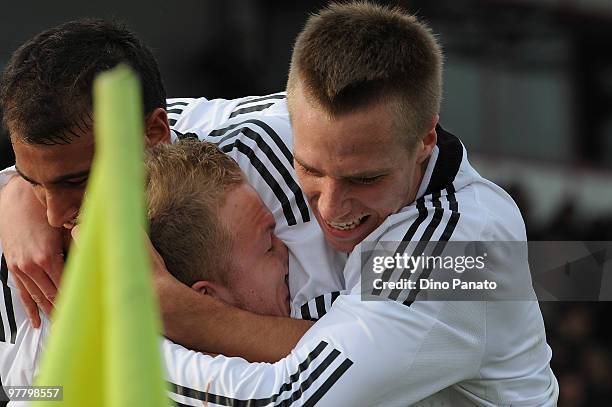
260, 141
5, 175
396, 353
300, 379
359, 353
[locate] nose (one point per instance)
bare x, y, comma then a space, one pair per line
61, 208
332, 202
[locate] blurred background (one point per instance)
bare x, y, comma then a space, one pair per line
528, 88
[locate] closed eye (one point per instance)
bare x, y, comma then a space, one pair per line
307, 171
366, 180
77, 182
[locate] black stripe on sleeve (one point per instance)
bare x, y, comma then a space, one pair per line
282, 170
171, 122
314, 375
435, 198
422, 244
177, 111
319, 304
440, 245
306, 312
177, 103
2, 334
8, 301
314, 399
420, 204
4, 399
250, 109
267, 150
262, 98
450, 227
269, 130
302, 367
265, 174
452, 200
320, 301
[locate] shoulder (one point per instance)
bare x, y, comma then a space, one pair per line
479, 211
203, 116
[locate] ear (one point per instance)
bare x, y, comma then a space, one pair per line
157, 128
428, 143
215, 290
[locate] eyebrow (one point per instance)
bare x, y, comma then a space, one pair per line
57, 180
362, 174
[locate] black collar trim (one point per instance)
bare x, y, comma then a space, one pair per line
448, 162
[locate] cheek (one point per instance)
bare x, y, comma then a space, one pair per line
384, 199
378, 196
72, 197
40, 194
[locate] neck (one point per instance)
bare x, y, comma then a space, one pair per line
419, 173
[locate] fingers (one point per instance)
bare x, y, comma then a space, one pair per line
39, 286
38, 275
44, 269
29, 304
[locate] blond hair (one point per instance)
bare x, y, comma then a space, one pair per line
350, 56
186, 186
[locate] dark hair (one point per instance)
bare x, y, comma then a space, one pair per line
351, 55
46, 87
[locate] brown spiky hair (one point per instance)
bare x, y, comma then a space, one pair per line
187, 184
352, 55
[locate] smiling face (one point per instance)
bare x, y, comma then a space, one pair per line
256, 279
354, 168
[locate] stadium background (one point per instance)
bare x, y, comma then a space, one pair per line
528, 88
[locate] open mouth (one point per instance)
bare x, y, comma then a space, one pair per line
348, 225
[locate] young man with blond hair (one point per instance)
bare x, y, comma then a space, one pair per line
186, 181
193, 190
375, 166
363, 95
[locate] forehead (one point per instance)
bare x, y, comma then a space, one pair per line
244, 213
356, 141
45, 162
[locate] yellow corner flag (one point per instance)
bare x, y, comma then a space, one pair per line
104, 346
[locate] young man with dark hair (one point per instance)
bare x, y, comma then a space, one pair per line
45, 94
375, 167
55, 163
186, 181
